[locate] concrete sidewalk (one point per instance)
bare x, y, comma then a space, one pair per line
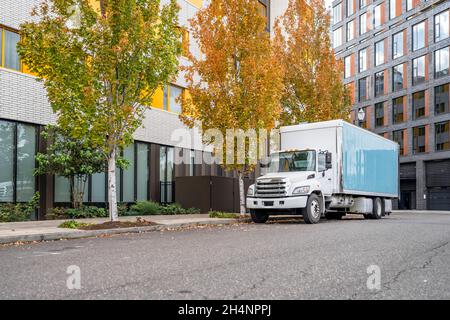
12, 232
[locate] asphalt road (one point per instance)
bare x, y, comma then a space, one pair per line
279, 260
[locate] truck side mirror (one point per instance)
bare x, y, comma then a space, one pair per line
329, 161
264, 162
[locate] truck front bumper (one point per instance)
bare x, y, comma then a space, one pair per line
277, 203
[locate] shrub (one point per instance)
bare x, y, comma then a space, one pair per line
175, 208
223, 215
15, 212
86, 212
72, 224
145, 208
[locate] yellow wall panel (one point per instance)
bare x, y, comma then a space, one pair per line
158, 99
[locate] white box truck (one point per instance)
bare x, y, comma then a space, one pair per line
327, 169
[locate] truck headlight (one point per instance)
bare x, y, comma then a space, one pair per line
251, 190
301, 190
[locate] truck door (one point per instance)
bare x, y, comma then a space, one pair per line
324, 175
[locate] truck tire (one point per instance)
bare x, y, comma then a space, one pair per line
258, 216
378, 209
313, 210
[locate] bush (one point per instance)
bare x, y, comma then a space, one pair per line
78, 213
145, 208
16, 212
223, 215
72, 224
175, 208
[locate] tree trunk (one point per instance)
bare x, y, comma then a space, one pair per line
112, 195
241, 194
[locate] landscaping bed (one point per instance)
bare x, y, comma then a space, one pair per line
119, 225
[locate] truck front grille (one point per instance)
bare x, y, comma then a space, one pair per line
271, 188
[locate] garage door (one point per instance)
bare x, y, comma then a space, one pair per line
439, 199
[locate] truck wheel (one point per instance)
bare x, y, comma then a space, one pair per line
378, 209
258, 216
313, 210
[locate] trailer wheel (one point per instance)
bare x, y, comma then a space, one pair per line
313, 210
378, 209
258, 216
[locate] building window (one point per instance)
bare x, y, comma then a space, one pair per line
350, 30
379, 83
347, 66
337, 13
337, 37
172, 96
166, 174
17, 161
397, 45
398, 136
397, 110
379, 114
418, 31
377, 16
393, 8
142, 170
362, 3
418, 70
441, 26
442, 130
191, 163
409, 4
379, 53
9, 57
363, 23
262, 8
441, 99
363, 85
419, 139
441, 62
398, 77
363, 60
418, 102
350, 8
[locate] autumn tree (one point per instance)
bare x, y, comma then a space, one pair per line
313, 87
236, 82
101, 61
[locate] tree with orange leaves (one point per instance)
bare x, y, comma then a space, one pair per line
236, 83
313, 87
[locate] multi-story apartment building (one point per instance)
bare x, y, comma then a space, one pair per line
396, 66
25, 111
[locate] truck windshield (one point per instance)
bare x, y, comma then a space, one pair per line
293, 161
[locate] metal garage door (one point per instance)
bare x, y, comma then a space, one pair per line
439, 199
438, 173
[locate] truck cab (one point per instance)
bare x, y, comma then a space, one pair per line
296, 179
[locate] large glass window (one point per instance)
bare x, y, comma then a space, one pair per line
363, 23
142, 171
98, 187
398, 77
418, 70
418, 103
17, 162
442, 130
363, 60
418, 31
350, 7
347, 66
397, 45
441, 62
8, 49
337, 37
393, 8
441, 99
441, 26
350, 31
175, 96
398, 136
128, 174
363, 87
362, 3
379, 114
379, 53
419, 139
7, 147
377, 16
379, 83
337, 13
397, 110
166, 169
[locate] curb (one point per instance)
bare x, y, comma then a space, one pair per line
80, 234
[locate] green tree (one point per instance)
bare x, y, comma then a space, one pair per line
101, 65
237, 82
71, 158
